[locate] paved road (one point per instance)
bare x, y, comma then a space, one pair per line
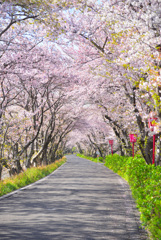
81, 200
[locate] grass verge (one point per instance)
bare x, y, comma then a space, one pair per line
98, 159
145, 184
27, 177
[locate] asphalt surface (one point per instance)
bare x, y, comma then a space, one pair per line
80, 200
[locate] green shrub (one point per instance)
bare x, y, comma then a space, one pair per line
100, 159
145, 183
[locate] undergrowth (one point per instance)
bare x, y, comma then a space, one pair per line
145, 184
27, 177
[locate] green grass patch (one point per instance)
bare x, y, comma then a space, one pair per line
27, 177
98, 159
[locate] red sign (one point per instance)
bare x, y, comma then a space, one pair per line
133, 137
111, 142
152, 122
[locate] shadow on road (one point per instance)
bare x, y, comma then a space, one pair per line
81, 200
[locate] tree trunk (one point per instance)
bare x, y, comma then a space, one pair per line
17, 160
44, 157
28, 160
158, 152
1, 167
79, 148
18, 165
148, 150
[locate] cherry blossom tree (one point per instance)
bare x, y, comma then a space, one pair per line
128, 47
62, 63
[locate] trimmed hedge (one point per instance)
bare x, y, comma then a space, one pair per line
145, 183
